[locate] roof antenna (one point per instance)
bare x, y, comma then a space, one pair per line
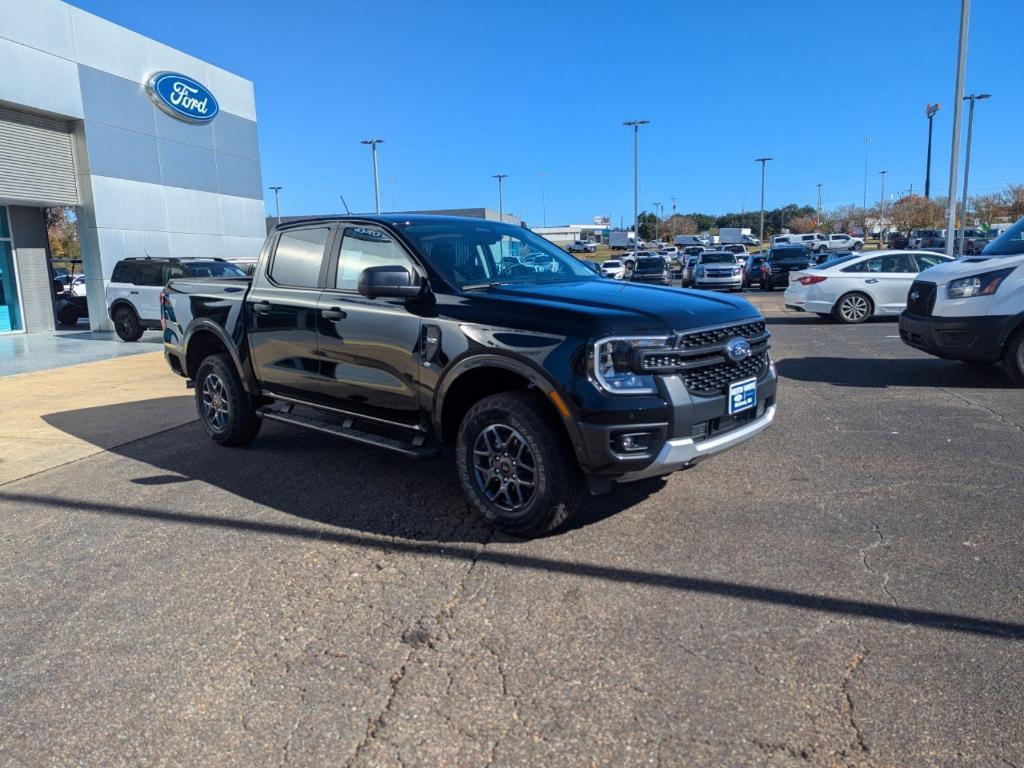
345, 204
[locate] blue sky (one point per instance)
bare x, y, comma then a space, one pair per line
463, 90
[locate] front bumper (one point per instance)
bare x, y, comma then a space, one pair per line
976, 339
684, 451
719, 282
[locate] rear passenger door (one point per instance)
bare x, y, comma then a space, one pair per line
281, 312
369, 348
145, 293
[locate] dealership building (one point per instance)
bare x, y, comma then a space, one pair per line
154, 149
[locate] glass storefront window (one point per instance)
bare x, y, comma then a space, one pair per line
10, 311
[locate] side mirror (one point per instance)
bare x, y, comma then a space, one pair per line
390, 280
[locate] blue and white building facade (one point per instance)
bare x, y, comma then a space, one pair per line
156, 150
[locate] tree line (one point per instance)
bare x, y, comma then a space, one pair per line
907, 213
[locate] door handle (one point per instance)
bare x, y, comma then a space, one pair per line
334, 313
261, 307
134, 293
871, 280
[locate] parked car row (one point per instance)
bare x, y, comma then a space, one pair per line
819, 243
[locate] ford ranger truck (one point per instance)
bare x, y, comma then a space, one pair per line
411, 332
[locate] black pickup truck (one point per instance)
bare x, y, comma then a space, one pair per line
409, 332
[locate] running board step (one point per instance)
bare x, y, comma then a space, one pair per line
345, 430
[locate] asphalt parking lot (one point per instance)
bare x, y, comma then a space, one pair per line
844, 590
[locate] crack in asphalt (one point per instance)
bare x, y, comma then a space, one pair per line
991, 411
417, 639
851, 669
864, 555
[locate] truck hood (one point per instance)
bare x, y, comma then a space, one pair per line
613, 307
972, 265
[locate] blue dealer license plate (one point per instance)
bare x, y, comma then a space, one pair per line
742, 395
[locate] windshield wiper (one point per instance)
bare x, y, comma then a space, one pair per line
480, 286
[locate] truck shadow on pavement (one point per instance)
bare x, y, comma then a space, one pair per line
316, 477
899, 372
366, 498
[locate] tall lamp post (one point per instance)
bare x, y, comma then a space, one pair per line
544, 197
881, 207
929, 112
967, 160
818, 222
657, 217
501, 201
376, 185
277, 202
636, 177
958, 108
763, 161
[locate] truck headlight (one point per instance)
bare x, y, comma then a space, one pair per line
977, 285
611, 365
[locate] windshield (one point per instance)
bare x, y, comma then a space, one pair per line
787, 253
1010, 243
717, 258
649, 265
212, 269
477, 252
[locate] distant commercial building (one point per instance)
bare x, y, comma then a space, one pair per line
155, 150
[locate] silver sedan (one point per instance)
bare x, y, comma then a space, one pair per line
854, 288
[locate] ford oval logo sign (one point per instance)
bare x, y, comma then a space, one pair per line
737, 350
182, 97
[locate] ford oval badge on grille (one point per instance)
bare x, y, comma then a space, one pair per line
738, 349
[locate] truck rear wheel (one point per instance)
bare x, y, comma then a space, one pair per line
516, 465
224, 408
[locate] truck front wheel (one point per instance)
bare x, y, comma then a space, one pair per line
224, 408
516, 465
1013, 359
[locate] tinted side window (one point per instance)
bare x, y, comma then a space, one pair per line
363, 247
861, 266
123, 273
172, 271
149, 274
298, 257
924, 261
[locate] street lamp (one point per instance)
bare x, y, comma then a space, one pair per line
881, 207
636, 178
929, 112
376, 186
867, 143
501, 202
818, 221
544, 197
967, 160
277, 201
763, 161
958, 108
657, 218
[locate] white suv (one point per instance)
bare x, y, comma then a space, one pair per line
972, 309
133, 293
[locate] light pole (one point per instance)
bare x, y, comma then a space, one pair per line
636, 177
867, 143
277, 201
818, 222
657, 218
958, 108
376, 185
544, 197
967, 161
881, 207
763, 161
929, 112
501, 201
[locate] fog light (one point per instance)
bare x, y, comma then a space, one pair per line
633, 442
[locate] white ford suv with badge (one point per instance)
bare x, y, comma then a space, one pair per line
972, 309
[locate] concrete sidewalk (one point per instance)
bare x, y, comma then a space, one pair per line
33, 403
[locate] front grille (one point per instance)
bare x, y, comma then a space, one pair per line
924, 302
718, 335
715, 379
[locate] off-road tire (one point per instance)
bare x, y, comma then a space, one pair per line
557, 480
127, 324
233, 421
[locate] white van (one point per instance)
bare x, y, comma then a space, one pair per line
972, 309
